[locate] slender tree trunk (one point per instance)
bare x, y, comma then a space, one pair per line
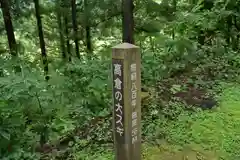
60, 27
75, 28
67, 39
63, 48
127, 21
41, 37
175, 10
66, 6
88, 39
87, 29
9, 27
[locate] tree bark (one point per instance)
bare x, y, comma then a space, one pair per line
127, 21
60, 27
88, 39
67, 39
41, 37
9, 27
174, 10
87, 29
66, 6
75, 28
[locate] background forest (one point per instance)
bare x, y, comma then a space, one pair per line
55, 78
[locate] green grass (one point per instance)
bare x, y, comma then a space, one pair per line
213, 134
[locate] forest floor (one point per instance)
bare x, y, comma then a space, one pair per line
205, 135
202, 135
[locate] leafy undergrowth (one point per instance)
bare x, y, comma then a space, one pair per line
204, 135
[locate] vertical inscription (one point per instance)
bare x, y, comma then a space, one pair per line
117, 65
134, 118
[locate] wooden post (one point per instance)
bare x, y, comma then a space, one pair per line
126, 101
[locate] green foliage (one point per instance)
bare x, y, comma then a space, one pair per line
71, 98
186, 46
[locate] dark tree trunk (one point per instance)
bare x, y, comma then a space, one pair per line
41, 36
88, 39
67, 39
174, 10
66, 10
87, 29
127, 21
75, 28
9, 27
60, 27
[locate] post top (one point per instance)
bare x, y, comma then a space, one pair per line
125, 46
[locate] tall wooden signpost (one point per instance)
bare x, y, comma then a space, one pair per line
126, 101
